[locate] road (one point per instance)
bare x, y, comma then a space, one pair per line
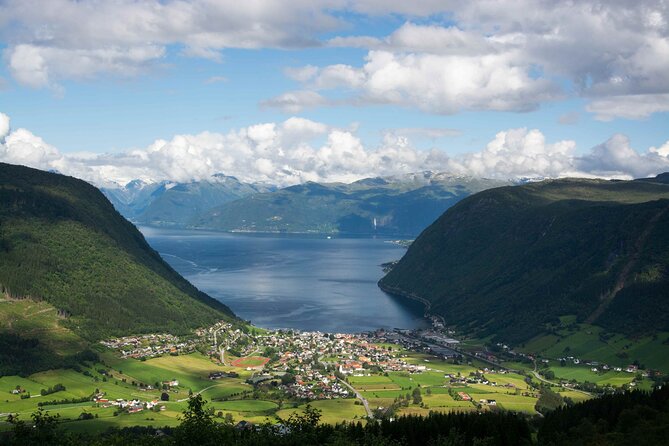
199, 392
365, 403
542, 379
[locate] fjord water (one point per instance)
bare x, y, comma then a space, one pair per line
291, 281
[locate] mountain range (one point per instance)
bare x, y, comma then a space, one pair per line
510, 262
175, 204
400, 205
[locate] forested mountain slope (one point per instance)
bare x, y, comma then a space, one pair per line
62, 241
510, 260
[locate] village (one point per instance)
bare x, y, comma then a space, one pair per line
303, 365
256, 375
292, 365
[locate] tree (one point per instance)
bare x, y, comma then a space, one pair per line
305, 422
43, 429
417, 397
164, 396
197, 425
548, 374
548, 400
287, 378
229, 419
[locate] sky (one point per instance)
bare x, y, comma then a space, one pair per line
334, 90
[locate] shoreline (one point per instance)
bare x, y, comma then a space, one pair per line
248, 232
394, 291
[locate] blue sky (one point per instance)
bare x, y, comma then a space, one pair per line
113, 77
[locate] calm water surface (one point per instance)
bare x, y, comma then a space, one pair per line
288, 281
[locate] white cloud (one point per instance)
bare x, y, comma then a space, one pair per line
519, 153
663, 150
611, 53
39, 66
295, 101
631, 106
28, 66
432, 39
298, 150
512, 52
431, 82
22, 147
51, 40
4, 127
616, 158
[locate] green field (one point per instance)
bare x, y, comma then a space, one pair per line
232, 396
246, 406
191, 371
593, 343
582, 374
39, 319
333, 411
381, 390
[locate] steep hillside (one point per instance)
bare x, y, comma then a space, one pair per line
398, 206
509, 261
61, 241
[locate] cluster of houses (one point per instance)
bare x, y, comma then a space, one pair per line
477, 377
599, 367
131, 406
150, 345
314, 385
313, 357
221, 326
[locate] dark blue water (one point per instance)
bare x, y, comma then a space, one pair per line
303, 282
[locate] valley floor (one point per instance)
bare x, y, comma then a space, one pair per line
267, 376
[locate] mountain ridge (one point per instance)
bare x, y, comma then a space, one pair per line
402, 205
62, 241
529, 254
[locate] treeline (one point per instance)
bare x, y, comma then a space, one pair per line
56, 388
636, 417
639, 418
82, 399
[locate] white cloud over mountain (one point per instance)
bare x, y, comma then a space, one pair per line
299, 150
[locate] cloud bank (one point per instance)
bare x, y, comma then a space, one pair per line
510, 56
288, 153
448, 56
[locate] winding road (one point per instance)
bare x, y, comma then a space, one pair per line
542, 379
365, 403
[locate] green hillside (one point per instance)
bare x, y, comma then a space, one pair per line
399, 205
62, 242
510, 261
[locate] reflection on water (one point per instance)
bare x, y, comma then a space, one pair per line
289, 281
